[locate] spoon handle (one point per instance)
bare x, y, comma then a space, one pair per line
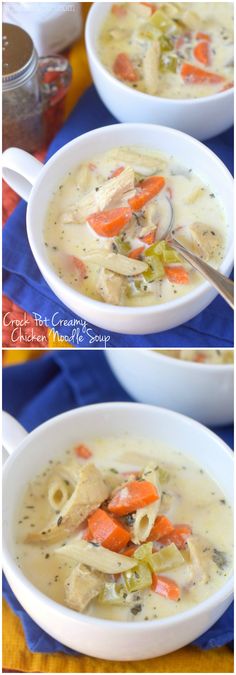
224, 286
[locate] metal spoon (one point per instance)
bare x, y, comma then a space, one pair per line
224, 286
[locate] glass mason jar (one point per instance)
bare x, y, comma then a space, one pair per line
30, 86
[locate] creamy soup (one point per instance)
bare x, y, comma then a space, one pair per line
125, 529
106, 221
214, 356
172, 49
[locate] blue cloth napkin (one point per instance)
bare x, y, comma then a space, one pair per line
24, 284
82, 378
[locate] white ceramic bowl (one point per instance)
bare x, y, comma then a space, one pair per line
36, 183
97, 637
199, 390
202, 117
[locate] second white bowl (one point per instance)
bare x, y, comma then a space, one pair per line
201, 117
202, 391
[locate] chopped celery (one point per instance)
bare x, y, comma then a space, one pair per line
155, 270
149, 32
151, 250
143, 552
168, 62
164, 252
162, 22
165, 559
165, 44
138, 578
123, 246
170, 256
163, 474
114, 594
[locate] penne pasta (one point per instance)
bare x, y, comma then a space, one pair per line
58, 493
144, 518
88, 494
97, 557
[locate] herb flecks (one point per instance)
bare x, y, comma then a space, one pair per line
136, 609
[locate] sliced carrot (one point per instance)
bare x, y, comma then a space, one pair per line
119, 10
130, 473
194, 75
147, 189
150, 5
134, 495
74, 263
86, 535
92, 166
203, 36
200, 358
202, 52
166, 587
149, 238
178, 537
107, 531
136, 253
117, 171
110, 223
177, 275
83, 452
123, 68
130, 551
161, 528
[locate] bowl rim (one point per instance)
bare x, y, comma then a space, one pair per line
83, 300
206, 367
222, 594
92, 49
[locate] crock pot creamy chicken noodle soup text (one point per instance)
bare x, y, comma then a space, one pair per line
214, 356
172, 49
125, 529
106, 223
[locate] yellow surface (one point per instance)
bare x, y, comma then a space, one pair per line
16, 656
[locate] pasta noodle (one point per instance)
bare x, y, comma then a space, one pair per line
98, 557
144, 518
58, 493
88, 494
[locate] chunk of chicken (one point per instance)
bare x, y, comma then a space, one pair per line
101, 197
114, 188
200, 557
82, 586
115, 262
89, 493
151, 68
140, 9
208, 241
190, 19
110, 285
142, 164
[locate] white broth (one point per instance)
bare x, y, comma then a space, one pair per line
208, 356
197, 564
107, 218
172, 50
